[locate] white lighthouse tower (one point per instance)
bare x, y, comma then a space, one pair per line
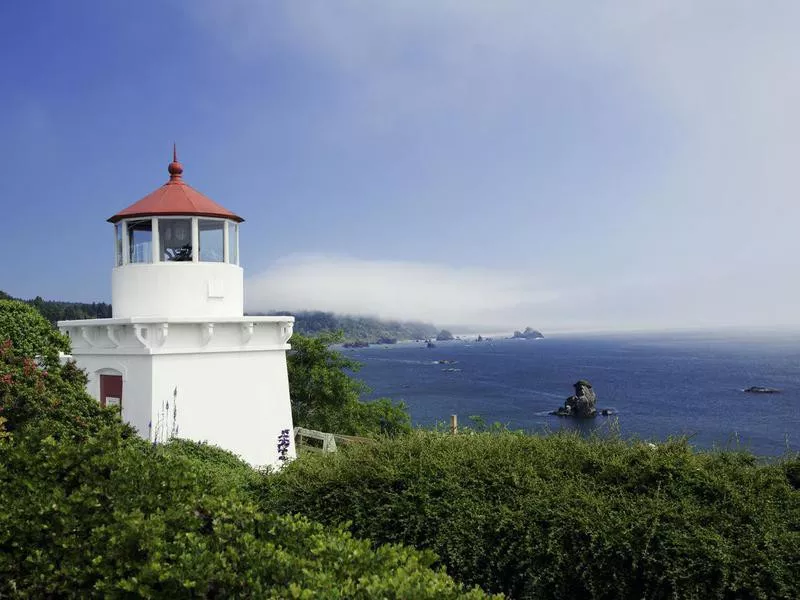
179, 357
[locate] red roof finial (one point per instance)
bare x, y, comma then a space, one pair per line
175, 168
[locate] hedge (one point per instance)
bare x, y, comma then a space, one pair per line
564, 517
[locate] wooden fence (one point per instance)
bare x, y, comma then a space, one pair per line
319, 441
311, 440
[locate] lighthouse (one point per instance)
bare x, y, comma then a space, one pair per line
179, 358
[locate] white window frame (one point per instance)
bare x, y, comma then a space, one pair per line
126, 242
156, 240
224, 238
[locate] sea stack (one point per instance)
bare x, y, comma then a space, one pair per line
581, 404
528, 334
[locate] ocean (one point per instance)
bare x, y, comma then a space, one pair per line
657, 385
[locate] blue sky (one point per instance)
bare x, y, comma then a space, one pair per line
564, 165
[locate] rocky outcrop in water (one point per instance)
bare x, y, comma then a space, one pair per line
356, 344
582, 404
528, 334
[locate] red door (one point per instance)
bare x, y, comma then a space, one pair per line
111, 390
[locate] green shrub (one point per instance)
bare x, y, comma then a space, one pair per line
564, 517
380, 417
30, 333
53, 401
36, 391
792, 468
222, 467
109, 517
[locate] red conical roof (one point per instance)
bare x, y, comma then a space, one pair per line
175, 197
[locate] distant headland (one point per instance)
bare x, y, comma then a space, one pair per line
362, 331
357, 331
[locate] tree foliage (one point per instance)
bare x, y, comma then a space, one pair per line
51, 402
30, 333
327, 398
561, 517
57, 310
36, 391
112, 517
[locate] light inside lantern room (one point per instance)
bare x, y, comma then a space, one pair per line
175, 237
217, 240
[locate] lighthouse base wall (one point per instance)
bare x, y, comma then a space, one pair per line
237, 400
224, 382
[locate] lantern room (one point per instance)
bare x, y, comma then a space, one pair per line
176, 254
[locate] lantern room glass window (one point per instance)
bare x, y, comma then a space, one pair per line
118, 244
140, 241
175, 240
233, 242
211, 240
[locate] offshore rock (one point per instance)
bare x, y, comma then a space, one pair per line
528, 334
356, 344
581, 404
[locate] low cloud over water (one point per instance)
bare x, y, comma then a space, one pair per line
395, 289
